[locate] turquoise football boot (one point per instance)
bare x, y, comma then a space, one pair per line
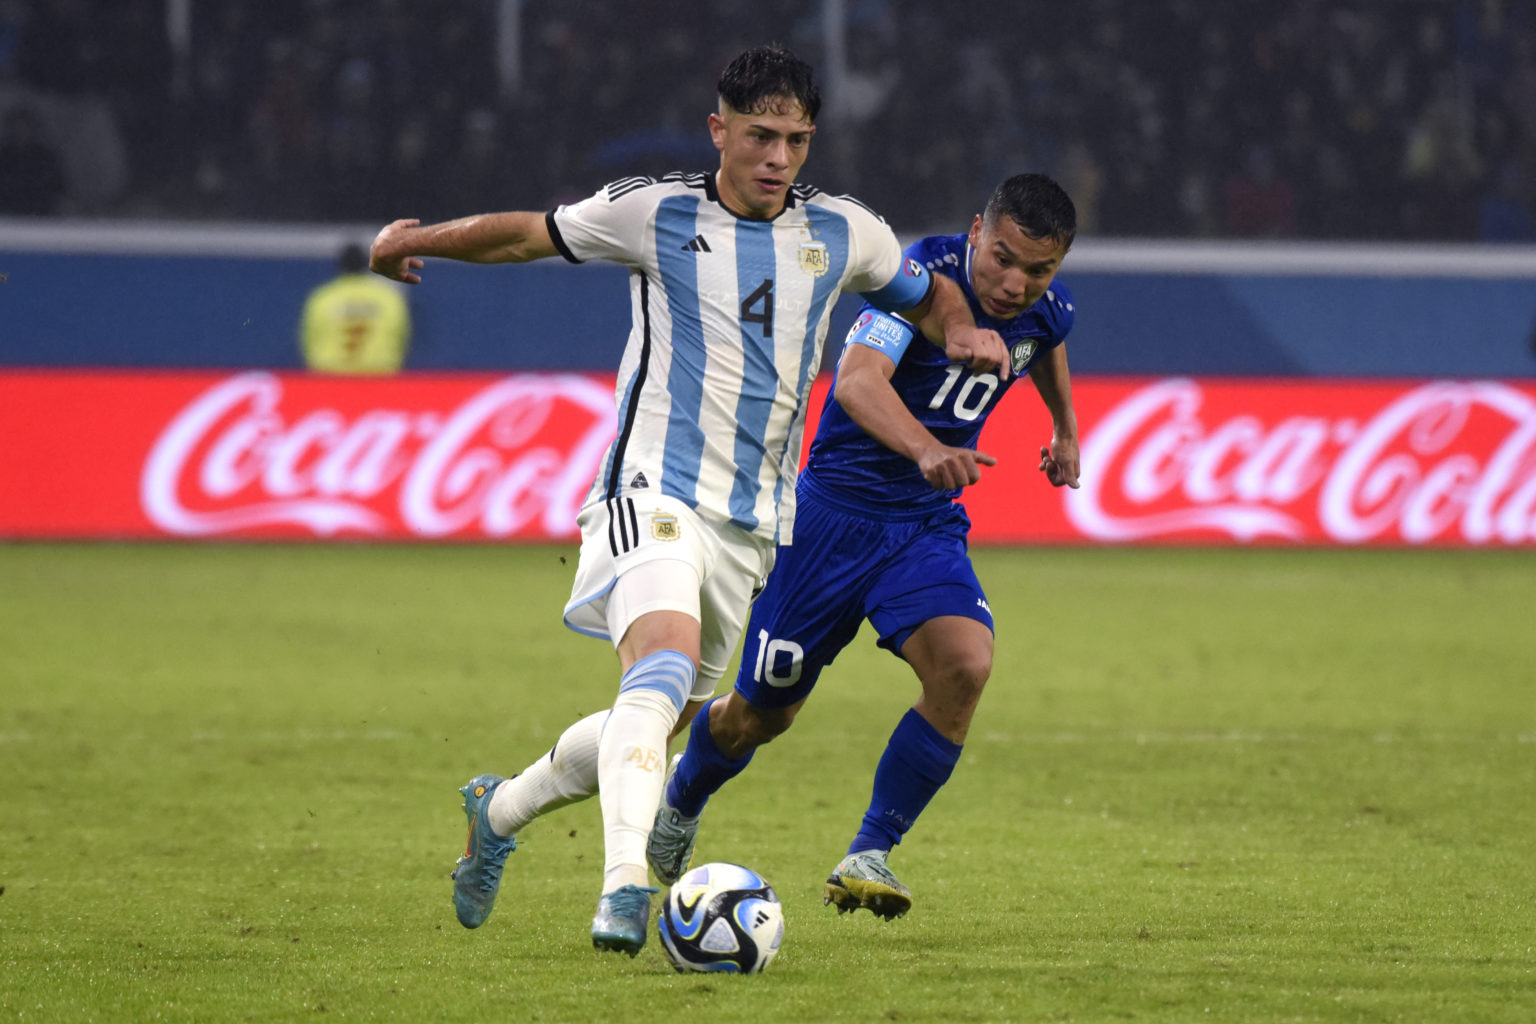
478, 873
622, 919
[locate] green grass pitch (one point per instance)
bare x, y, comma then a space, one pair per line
1253, 785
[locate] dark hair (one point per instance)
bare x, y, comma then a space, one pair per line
752, 82
1039, 206
352, 259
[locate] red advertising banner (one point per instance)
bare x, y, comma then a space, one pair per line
475, 457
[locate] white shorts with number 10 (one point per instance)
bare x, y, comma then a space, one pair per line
645, 552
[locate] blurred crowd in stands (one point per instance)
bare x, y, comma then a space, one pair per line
1324, 119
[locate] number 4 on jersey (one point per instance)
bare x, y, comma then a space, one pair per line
751, 315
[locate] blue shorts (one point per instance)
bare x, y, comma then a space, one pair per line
843, 568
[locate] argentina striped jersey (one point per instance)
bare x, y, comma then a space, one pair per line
729, 318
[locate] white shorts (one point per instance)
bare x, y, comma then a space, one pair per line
647, 552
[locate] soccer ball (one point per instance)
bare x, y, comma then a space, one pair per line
721, 917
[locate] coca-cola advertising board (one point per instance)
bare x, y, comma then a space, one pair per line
475, 457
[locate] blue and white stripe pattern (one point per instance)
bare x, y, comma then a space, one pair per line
666, 671
729, 320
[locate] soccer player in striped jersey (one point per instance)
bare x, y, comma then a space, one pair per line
733, 275
881, 536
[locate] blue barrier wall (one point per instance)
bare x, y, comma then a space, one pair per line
1292, 312
1230, 324
229, 312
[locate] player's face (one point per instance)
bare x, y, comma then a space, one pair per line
1010, 270
760, 155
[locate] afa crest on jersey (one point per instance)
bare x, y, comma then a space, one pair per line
814, 259
665, 527
1021, 354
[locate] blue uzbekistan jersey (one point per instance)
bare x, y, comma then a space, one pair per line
849, 468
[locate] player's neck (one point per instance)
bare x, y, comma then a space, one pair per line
732, 202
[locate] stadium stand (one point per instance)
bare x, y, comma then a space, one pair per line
1315, 119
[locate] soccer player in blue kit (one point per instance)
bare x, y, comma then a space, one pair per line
880, 536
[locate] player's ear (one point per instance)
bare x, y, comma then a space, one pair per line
717, 131
975, 235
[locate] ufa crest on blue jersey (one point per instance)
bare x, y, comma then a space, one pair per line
1022, 354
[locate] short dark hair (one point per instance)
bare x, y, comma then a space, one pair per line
352, 259
750, 83
1040, 207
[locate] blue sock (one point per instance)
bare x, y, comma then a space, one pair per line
703, 769
917, 761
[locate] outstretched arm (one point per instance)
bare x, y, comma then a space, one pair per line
945, 319
1059, 462
515, 237
864, 391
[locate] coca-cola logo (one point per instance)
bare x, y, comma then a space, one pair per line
517, 456
1441, 460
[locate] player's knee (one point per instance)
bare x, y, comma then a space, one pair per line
740, 727
962, 678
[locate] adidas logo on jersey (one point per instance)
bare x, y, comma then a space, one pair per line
697, 244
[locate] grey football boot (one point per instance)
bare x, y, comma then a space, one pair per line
862, 879
670, 847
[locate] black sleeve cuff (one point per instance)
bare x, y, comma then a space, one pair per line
554, 236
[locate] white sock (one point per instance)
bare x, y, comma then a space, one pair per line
632, 761
566, 774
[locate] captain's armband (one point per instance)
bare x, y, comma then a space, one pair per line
886, 333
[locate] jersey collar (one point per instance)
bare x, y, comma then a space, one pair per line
712, 191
